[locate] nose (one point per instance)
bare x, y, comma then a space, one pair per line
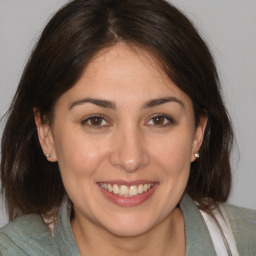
129, 151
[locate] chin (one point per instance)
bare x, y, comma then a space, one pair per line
129, 227
124, 232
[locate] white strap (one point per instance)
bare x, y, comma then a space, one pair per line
217, 237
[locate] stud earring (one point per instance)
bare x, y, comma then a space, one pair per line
48, 155
197, 155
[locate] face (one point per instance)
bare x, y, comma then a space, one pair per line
124, 137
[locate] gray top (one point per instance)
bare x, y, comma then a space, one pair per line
28, 235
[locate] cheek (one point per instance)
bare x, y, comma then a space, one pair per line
174, 153
79, 156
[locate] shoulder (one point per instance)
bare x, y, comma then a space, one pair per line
26, 235
241, 215
243, 223
240, 212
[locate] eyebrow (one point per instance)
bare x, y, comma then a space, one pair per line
98, 102
112, 105
160, 101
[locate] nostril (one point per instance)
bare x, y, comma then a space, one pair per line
129, 152
130, 163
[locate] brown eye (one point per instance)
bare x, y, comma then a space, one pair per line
95, 121
158, 120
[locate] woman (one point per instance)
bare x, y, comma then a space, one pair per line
117, 141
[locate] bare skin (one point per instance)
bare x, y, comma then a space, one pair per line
167, 238
124, 123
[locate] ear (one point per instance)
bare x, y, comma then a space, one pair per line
45, 137
198, 137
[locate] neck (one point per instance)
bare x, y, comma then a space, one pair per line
167, 236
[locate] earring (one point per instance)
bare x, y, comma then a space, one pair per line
48, 155
197, 155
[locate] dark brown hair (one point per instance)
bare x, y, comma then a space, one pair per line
73, 36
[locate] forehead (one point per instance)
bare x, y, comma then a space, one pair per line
122, 52
123, 72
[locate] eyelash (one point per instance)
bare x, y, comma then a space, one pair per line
90, 118
167, 121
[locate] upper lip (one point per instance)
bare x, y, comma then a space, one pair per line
128, 183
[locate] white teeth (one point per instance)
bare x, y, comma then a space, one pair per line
126, 191
133, 191
140, 189
115, 189
109, 187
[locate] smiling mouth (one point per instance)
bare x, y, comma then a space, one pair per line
126, 191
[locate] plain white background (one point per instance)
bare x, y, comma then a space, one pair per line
228, 26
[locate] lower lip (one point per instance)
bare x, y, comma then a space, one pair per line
128, 201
